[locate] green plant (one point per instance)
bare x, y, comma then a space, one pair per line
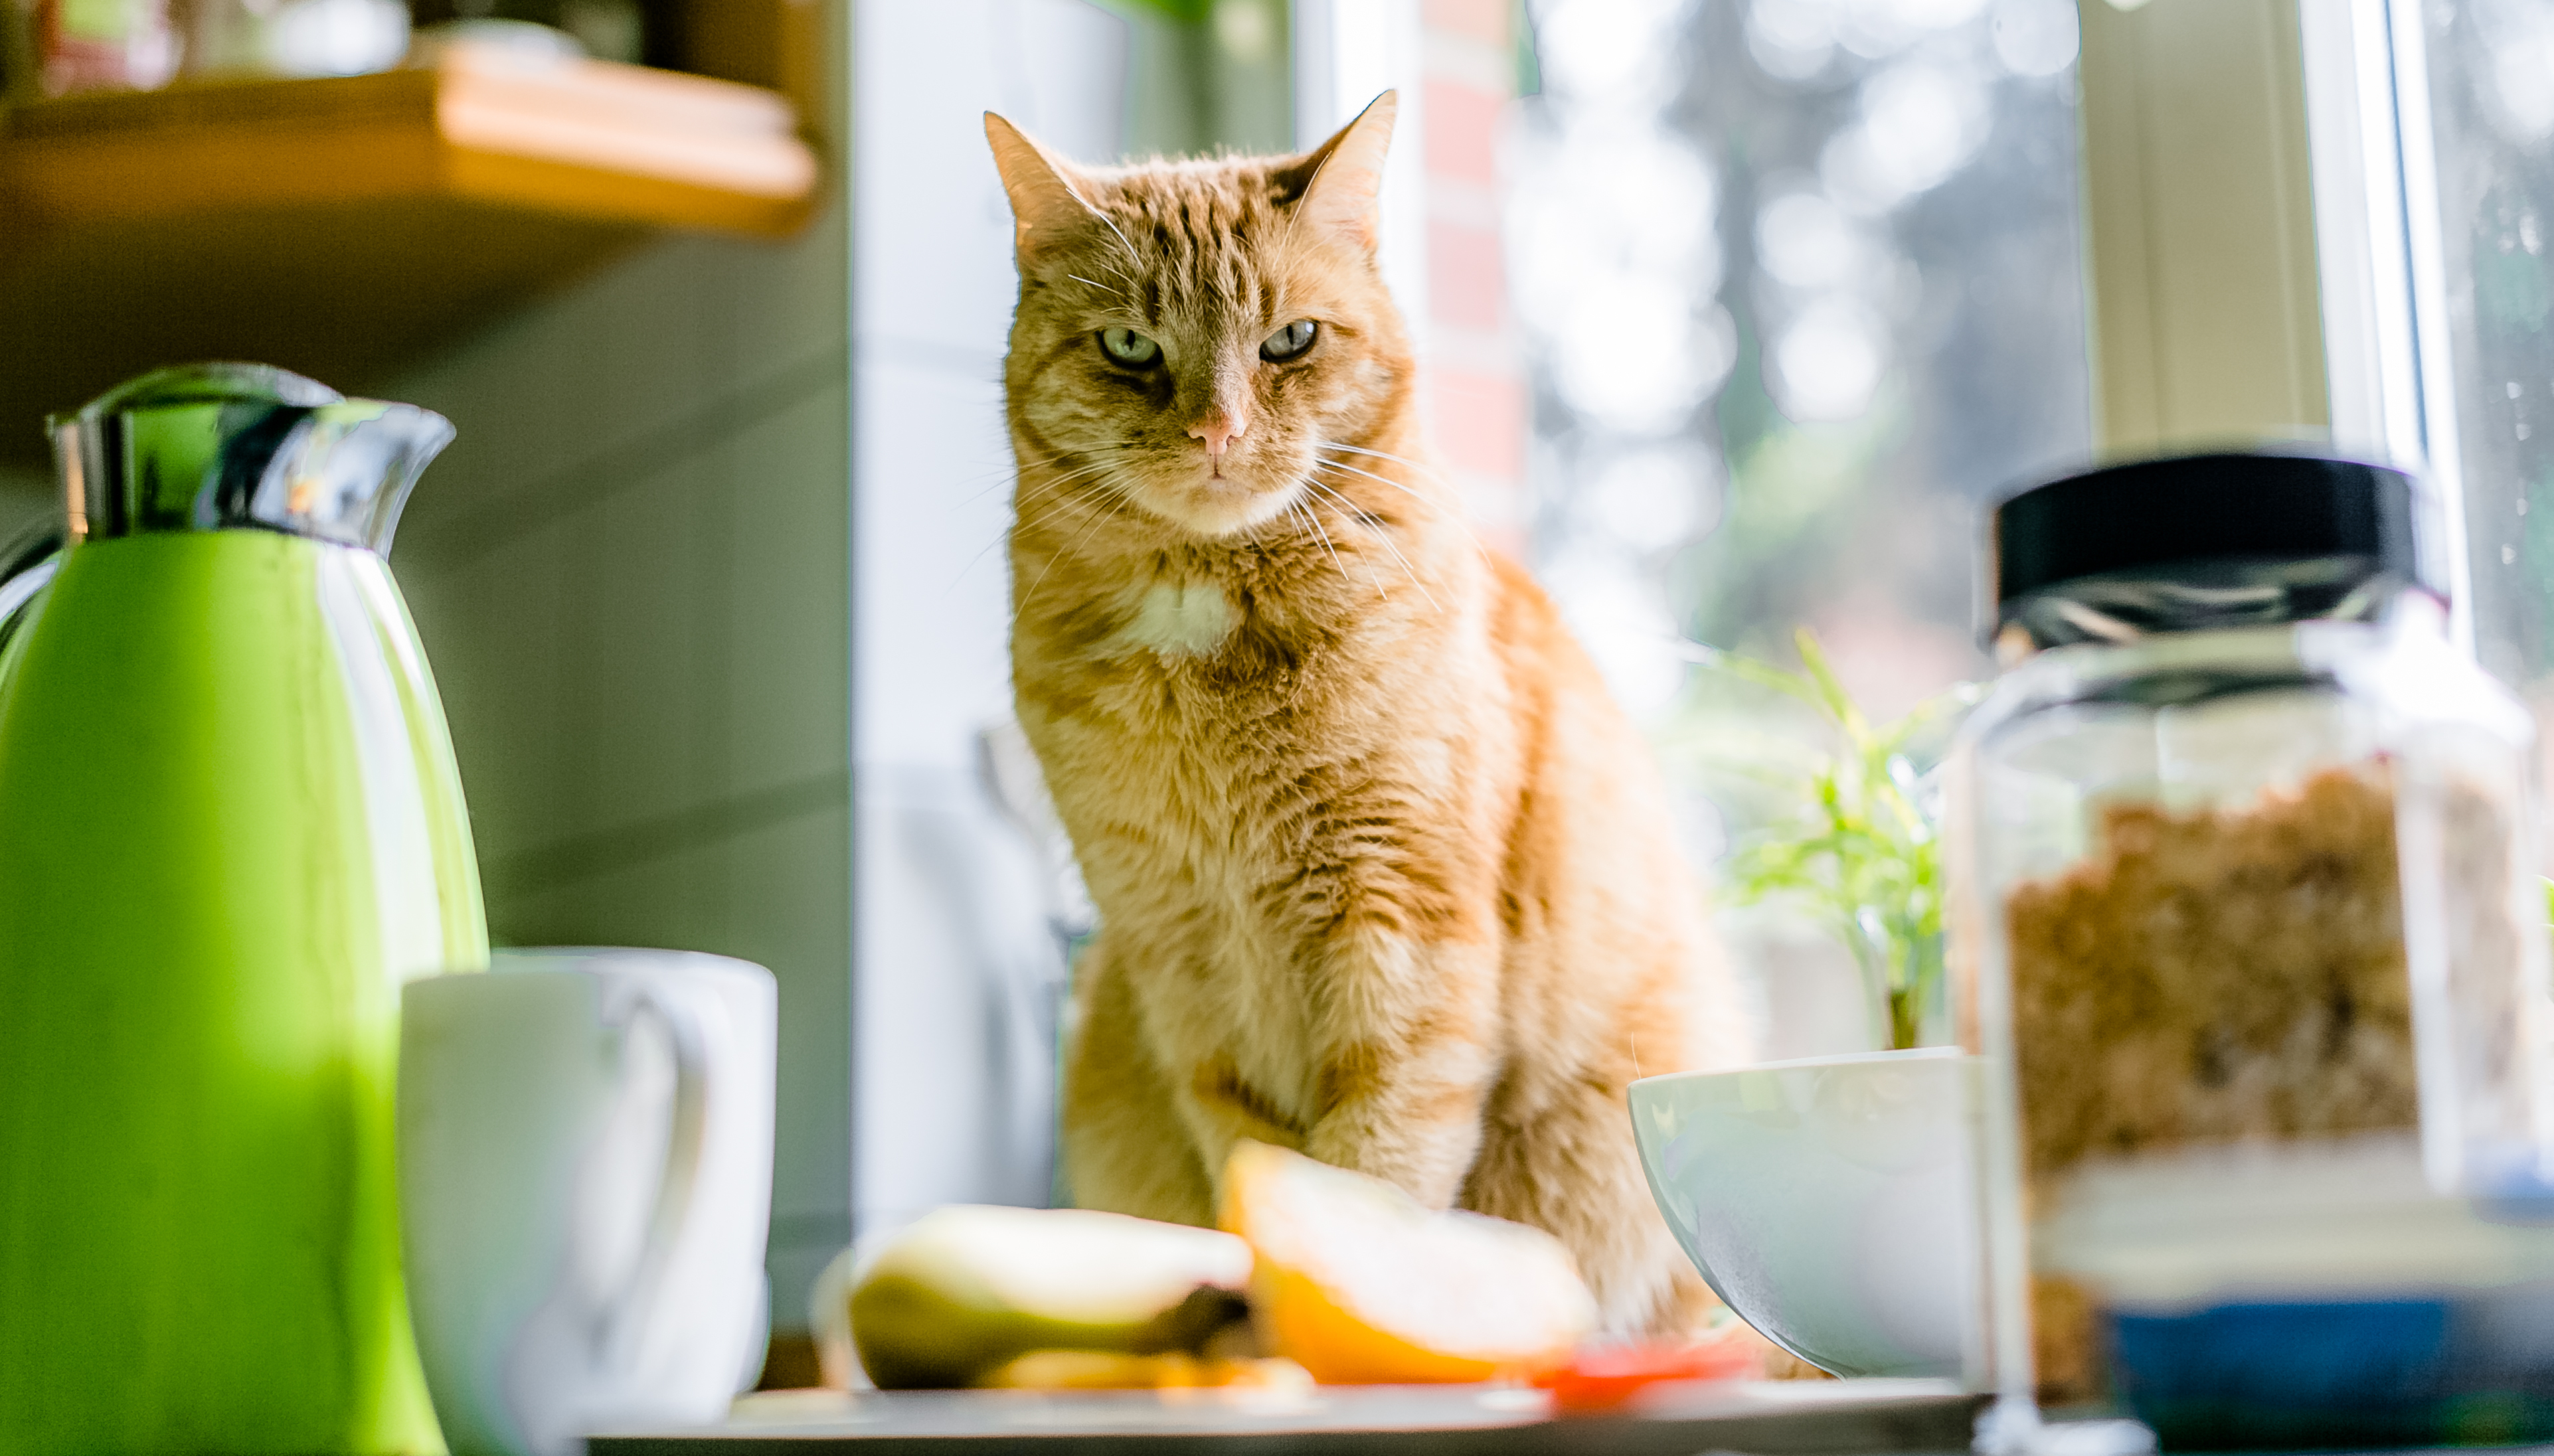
1856, 849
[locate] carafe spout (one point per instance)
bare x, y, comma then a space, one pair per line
215, 446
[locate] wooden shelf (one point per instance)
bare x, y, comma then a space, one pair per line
340, 226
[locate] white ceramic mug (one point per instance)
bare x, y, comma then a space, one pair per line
1831, 1201
584, 1187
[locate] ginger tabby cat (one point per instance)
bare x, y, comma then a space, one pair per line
1382, 873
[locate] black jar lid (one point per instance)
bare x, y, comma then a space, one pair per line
2202, 518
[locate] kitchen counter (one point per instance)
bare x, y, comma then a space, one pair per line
1768, 1417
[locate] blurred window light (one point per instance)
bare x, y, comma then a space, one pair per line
1621, 624
1792, 312
1656, 498
2035, 38
1618, 53
1637, 357
2522, 68
1807, 241
1920, 123
1935, 15
1791, 39
1827, 362
1873, 29
1628, 197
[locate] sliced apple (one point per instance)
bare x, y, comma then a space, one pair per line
1361, 1284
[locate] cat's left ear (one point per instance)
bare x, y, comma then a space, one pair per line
1340, 181
1045, 208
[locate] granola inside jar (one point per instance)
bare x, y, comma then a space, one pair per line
2241, 857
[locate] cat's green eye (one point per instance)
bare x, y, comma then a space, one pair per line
1129, 348
1288, 342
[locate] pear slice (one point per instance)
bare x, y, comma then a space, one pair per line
964, 1290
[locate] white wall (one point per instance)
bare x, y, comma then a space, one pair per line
957, 978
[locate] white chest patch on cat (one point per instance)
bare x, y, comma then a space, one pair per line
1181, 620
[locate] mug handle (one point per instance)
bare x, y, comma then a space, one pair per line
618, 1323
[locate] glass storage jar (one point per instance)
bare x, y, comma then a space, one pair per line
2243, 904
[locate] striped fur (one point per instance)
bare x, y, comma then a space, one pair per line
1383, 874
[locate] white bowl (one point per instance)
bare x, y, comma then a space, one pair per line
1831, 1202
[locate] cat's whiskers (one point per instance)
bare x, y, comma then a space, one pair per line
988, 480
1055, 484
1112, 500
1430, 501
1362, 516
1031, 494
1063, 504
1099, 518
1372, 517
1010, 474
1453, 511
1418, 465
1451, 502
1032, 490
1380, 534
1366, 561
1315, 521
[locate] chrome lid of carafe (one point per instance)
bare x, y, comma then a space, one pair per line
216, 446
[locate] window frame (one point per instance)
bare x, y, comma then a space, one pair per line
2339, 120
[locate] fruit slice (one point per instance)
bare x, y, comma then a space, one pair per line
1609, 1377
964, 1290
1098, 1370
1362, 1286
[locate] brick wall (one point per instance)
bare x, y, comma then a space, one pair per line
1477, 393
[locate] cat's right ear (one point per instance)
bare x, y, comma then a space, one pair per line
1045, 209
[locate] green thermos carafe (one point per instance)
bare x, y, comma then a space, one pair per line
230, 827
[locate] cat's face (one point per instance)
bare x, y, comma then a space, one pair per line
1189, 334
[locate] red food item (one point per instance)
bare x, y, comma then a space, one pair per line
1602, 1377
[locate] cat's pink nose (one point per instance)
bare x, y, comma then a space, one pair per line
1219, 430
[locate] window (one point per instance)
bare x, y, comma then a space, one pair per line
2488, 80
1803, 281
1808, 280
2432, 125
